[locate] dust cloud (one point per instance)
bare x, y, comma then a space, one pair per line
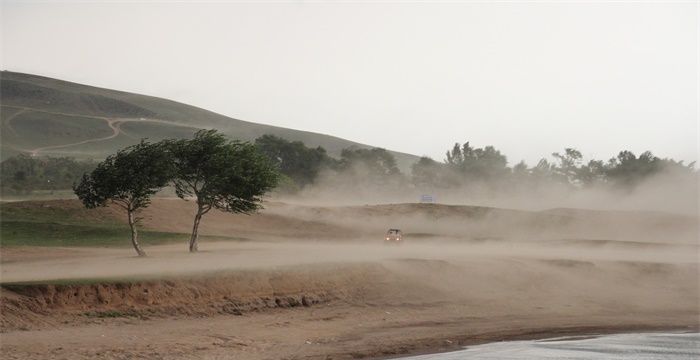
464, 271
667, 191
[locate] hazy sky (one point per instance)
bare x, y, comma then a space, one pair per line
529, 78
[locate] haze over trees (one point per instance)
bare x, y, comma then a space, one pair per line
301, 166
376, 164
464, 164
127, 179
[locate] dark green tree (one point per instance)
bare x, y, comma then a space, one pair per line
426, 172
520, 168
591, 173
477, 163
231, 176
294, 159
627, 169
542, 171
23, 173
429, 174
127, 179
455, 157
567, 170
379, 162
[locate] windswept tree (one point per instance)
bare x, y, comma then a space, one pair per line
231, 176
127, 179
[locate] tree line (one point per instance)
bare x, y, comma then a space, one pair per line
300, 166
467, 163
229, 175
303, 165
464, 164
23, 174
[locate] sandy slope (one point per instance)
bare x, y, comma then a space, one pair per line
313, 283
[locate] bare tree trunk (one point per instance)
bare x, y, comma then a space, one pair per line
195, 230
134, 234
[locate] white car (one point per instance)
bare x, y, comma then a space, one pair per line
393, 236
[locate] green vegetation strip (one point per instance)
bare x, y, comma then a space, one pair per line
52, 225
24, 233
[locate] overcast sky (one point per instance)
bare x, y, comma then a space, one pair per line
528, 78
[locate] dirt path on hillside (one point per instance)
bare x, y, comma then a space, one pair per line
113, 123
9, 121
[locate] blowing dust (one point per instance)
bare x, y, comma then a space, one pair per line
461, 272
667, 191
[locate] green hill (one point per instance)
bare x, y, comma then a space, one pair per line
45, 116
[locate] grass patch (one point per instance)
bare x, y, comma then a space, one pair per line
66, 224
64, 212
29, 233
69, 224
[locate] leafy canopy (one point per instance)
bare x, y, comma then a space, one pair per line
481, 163
228, 175
128, 178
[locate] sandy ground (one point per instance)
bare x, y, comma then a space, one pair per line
314, 283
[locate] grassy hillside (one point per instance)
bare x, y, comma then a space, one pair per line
47, 116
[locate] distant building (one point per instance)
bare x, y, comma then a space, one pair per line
428, 199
